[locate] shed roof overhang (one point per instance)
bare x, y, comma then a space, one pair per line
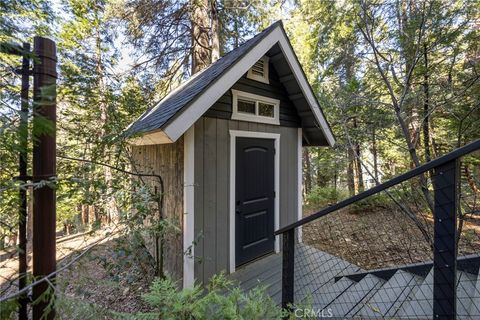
272, 42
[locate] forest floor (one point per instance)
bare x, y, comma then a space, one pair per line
382, 238
66, 246
111, 272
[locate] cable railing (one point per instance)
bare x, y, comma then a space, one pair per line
396, 257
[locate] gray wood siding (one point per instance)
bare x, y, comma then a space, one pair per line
167, 161
212, 185
288, 114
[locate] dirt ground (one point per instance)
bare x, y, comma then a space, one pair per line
101, 280
65, 247
383, 238
112, 274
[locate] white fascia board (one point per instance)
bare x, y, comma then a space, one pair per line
150, 138
305, 87
192, 113
176, 128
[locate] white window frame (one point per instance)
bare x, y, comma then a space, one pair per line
256, 77
233, 147
236, 94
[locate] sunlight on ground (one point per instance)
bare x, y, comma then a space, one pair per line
66, 246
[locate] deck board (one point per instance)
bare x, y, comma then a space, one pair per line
313, 270
403, 295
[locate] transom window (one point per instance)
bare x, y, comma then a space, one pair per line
255, 108
259, 71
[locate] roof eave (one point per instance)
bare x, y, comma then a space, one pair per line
151, 138
179, 124
307, 91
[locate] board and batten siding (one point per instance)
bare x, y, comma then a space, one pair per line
165, 160
212, 176
288, 115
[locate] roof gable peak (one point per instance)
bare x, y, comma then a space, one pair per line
182, 107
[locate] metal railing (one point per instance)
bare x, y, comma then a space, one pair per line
445, 177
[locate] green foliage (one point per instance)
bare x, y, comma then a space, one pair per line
70, 308
49, 298
374, 203
8, 309
130, 253
321, 197
359, 101
221, 300
20, 18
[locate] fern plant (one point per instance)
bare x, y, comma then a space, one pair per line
221, 299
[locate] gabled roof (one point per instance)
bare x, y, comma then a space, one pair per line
174, 114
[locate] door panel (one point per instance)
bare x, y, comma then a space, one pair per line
254, 190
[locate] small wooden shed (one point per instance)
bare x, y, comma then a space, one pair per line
228, 144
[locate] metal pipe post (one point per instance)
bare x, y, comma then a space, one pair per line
44, 169
288, 266
445, 182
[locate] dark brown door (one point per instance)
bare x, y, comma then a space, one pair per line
254, 217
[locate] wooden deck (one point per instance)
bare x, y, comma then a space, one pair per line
401, 294
313, 270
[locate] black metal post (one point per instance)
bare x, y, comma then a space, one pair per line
445, 247
44, 168
23, 158
288, 265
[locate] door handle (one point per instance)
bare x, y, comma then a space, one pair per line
237, 207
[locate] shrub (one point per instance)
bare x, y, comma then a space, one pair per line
8, 309
220, 300
321, 197
372, 203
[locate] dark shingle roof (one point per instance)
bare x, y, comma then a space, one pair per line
157, 116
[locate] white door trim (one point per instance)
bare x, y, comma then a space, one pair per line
188, 207
262, 135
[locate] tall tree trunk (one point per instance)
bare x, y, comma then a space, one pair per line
350, 171
472, 182
407, 12
84, 218
349, 65
201, 53
426, 106
236, 36
375, 156
400, 104
358, 162
112, 210
30, 216
308, 170
321, 181
215, 34
408, 52
92, 214
335, 177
